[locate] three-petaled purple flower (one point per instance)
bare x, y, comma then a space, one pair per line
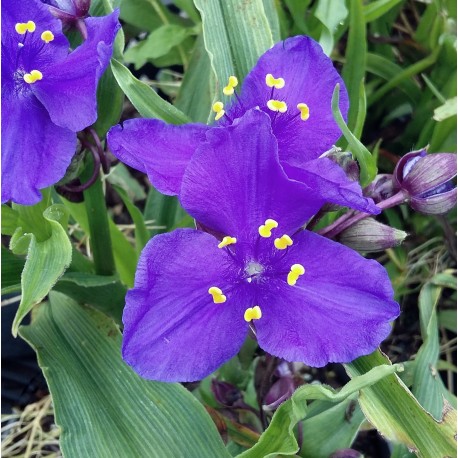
48, 94
307, 298
292, 83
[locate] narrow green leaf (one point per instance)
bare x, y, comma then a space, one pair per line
148, 103
103, 408
378, 8
141, 232
355, 59
236, 33
46, 261
359, 124
12, 267
279, 437
368, 168
446, 110
331, 14
398, 416
10, 220
272, 17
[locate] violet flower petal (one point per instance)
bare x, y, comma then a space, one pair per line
161, 150
310, 78
436, 204
68, 88
173, 331
332, 184
234, 182
338, 310
35, 152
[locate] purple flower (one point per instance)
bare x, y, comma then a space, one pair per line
195, 298
293, 84
48, 94
427, 180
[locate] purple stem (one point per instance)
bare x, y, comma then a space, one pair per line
345, 221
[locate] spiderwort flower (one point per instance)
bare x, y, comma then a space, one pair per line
427, 180
48, 94
195, 297
293, 84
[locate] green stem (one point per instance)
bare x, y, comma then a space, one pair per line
99, 231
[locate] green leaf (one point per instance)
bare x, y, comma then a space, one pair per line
446, 110
46, 261
447, 319
272, 17
148, 103
141, 232
196, 95
158, 44
378, 8
103, 408
12, 267
105, 293
368, 168
331, 14
398, 416
10, 219
236, 33
119, 175
428, 386
279, 437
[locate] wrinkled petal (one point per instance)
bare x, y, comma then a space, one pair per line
338, 310
234, 182
331, 183
310, 78
161, 150
35, 152
173, 331
68, 88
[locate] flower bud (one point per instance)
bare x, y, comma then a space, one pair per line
225, 393
345, 160
428, 180
69, 11
346, 453
368, 235
279, 392
381, 188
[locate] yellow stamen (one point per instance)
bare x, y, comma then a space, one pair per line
218, 108
227, 241
277, 83
34, 75
47, 36
217, 294
23, 27
229, 89
296, 271
277, 105
283, 242
252, 313
305, 111
265, 230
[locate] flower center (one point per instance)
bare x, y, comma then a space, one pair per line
253, 269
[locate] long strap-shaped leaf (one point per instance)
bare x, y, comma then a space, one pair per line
103, 407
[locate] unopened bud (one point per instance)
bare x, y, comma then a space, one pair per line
279, 392
225, 393
428, 180
381, 188
69, 11
368, 235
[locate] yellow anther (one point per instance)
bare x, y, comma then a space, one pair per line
34, 75
296, 271
227, 241
277, 83
47, 36
283, 242
229, 89
217, 294
265, 230
23, 27
218, 108
252, 313
277, 105
305, 111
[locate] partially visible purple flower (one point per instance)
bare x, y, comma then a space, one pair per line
195, 298
428, 181
48, 94
292, 83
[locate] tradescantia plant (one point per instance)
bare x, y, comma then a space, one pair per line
268, 258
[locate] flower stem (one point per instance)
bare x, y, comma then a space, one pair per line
99, 231
345, 221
